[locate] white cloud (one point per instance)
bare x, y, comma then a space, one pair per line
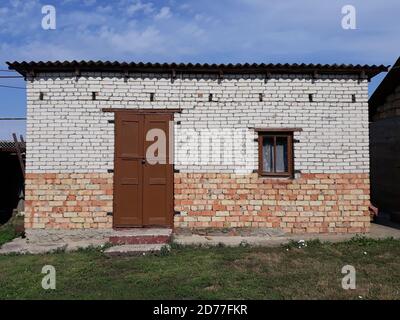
206, 31
89, 2
104, 9
185, 7
133, 41
165, 13
139, 6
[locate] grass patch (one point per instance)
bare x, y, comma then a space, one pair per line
11, 229
287, 272
6, 234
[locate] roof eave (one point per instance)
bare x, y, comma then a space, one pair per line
27, 68
387, 85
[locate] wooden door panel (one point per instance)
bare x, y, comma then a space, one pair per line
158, 181
157, 178
128, 173
131, 143
129, 208
156, 194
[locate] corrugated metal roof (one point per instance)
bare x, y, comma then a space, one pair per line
25, 67
385, 88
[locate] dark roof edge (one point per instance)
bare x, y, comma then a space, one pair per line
386, 87
27, 68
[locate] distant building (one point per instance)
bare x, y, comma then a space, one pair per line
12, 180
384, 115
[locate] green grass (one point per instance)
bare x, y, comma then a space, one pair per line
6, 235
287, 272
8, 231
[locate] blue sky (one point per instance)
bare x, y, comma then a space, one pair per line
192, 31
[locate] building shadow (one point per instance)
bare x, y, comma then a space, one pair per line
383, 218
11, 184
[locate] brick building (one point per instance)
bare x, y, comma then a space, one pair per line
262, 145
384, 106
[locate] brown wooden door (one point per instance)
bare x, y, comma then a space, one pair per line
157, 178
128, 171
143, 192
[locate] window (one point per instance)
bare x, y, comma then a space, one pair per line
275, 153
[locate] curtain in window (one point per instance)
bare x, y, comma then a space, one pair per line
268, 154
281, 154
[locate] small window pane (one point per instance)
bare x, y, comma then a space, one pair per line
281, 154
268, 155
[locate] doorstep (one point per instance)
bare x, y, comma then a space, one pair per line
140, 236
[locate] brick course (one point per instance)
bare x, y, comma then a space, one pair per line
313, 203
68, 201
68, 132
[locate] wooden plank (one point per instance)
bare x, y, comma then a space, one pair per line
277, 129
19, 154
142, 111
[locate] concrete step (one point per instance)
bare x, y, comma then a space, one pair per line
133, 249
140, 236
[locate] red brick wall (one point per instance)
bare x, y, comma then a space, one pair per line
68, 201
314, 203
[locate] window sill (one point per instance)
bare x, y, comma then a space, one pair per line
278, 178
275, 176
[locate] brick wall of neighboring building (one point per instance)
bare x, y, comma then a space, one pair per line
385, 155
68, 134
390, 108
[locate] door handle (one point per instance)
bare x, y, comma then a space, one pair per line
143, 161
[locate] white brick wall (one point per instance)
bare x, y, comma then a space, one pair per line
68, 132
